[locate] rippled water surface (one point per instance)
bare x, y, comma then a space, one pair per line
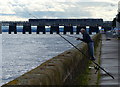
23, 52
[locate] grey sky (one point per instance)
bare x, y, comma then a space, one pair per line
11, 10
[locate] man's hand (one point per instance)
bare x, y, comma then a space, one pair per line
78, 39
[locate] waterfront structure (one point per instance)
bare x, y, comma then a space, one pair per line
54, 24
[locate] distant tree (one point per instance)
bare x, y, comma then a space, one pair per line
118, 19
114, 22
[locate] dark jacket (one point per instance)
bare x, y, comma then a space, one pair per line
86, 38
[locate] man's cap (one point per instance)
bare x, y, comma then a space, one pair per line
82, 29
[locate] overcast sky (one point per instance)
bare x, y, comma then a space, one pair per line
22, 10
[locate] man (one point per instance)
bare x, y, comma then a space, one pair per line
87, 39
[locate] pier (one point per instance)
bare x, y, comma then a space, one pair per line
54, 24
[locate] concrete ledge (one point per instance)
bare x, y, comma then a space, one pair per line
59, 70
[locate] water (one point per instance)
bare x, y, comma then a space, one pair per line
34, 28
23, 52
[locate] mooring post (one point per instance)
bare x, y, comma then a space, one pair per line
51, 29
90, 30
54, 28
78, 29
97, 29
12, 27
27, 28
41, 28
71, 29
68, 28
57, 29
65, 29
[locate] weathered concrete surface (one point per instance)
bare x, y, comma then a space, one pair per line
109, 60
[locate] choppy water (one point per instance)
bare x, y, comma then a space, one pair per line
23, 52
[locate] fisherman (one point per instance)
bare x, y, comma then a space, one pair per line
87, 39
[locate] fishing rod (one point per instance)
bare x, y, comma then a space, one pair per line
70, 36
86, 56
76, 47
78, 37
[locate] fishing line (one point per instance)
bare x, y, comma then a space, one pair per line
86, 56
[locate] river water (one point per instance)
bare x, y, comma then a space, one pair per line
23, 52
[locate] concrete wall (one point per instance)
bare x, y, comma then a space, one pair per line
59, 70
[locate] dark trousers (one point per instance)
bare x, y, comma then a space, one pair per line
91, 49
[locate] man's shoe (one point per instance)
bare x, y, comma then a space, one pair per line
93, 59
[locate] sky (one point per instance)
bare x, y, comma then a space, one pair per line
22, 10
